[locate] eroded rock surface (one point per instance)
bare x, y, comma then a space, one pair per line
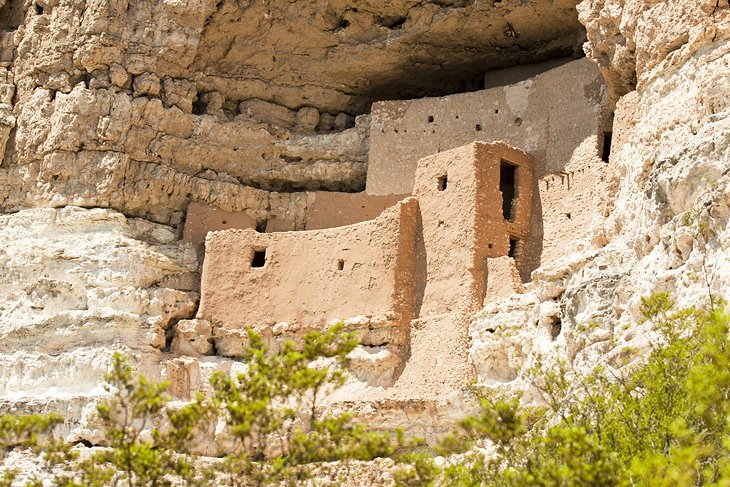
133, 110
665, 226
142, 107
78, 283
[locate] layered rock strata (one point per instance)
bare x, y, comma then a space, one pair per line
142, 108
666, 219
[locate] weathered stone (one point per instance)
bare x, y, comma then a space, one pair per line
144, 111
307, 119
192, 337
147, 84
326, 122
118, 75
266, 112
342, 121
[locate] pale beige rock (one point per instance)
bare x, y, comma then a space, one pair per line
118, 75
213, 103
141, 158
307, 119
341, 121
7, 123
192, 337
266, 112
77, 284
146, 109
326, 122
664, 225
179, 93
632, 41
146, 84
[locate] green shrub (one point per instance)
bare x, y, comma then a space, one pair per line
664, 422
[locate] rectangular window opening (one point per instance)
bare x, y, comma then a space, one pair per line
513, 248
443, 181
340, 264
507, 187
259, 258
606, 150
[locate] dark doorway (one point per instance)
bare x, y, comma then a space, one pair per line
512, 248
507, 187
606, 151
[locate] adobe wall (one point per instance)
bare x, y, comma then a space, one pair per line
570, 201
330, 209
503, 279
556, 117
201, 219
311, 278
324, 209
463, 220
548, 116
515, 74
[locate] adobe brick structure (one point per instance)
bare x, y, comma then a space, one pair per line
407, 281
325, 209
474, 201
548, 115
557, 116
292, 282
201, 219
482, 216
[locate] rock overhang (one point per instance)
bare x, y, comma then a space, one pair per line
342, 55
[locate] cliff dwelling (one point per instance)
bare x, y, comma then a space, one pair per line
425, 259
473, 187
465, 196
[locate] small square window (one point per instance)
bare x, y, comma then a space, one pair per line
259, 258
340, 264
442, 182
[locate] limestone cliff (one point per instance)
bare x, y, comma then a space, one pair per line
116, 115
664, 225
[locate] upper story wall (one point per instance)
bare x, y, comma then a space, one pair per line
557, 117
470, 211
548, 116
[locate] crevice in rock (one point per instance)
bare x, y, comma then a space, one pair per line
169, 335
555, 328
393, 23
11, 15
455, 3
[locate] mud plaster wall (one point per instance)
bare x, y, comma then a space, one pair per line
570, 202
324, 209
556, 117
330, 209
311, 278
463, 224
201, 219
502, 279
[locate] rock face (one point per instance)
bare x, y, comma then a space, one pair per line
76, 281
115, 116
144, 107
665, 222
